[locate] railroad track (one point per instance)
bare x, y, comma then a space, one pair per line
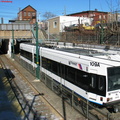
35, 104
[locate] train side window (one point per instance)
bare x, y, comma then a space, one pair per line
44, 62
101, 82
54, 67
62, 71
93, 81
70, 74
26, 54
82, 79
49, 65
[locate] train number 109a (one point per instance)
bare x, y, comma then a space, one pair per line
96, 64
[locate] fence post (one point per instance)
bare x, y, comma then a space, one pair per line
87, 109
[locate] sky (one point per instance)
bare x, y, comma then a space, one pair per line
9, 11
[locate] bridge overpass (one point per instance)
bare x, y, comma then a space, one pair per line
8, 34
20, 31
17, 31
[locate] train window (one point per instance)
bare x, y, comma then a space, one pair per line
55, 67
101, 82
26, 54
93, 81
70, 74
62, 70
82, 79
44, 62
113, 78
49, 63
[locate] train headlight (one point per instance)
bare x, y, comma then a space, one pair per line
109, 99
101, 98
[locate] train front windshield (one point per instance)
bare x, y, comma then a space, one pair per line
113, 78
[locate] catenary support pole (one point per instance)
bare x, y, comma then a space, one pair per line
37, 54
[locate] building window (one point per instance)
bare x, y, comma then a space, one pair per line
24, 13
33, 14
55, 24
20, 17
104, 16
100, 16
29, 14
91, 15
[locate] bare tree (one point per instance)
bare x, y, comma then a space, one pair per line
48, 15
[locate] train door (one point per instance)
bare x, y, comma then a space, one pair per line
97, 86
93, 86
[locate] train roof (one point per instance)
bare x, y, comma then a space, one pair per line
92, 53
80, 51
83, 51
40, 45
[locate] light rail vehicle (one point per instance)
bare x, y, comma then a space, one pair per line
92, 75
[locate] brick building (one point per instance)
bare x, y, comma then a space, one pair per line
27, 14
97, 16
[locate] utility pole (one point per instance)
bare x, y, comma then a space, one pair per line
38, 17
37, 54
89, 5
48, 31
65, 10
101, 34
